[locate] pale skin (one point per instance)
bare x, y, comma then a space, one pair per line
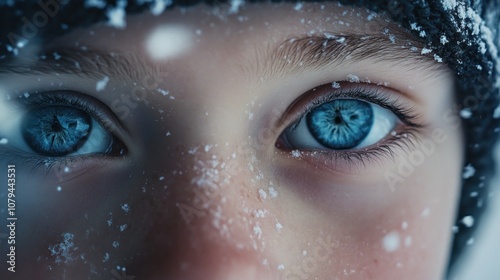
211, 192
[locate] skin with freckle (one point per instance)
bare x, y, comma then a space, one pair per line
205, 192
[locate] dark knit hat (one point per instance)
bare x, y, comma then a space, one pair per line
464, 34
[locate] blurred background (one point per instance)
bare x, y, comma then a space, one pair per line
483, 259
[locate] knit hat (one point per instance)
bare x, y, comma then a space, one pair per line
464, 34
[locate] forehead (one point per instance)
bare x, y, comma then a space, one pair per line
250, 24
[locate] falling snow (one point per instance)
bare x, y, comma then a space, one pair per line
468, 172
168, 41
468, 221
117, 15
235, 6
391, 241
426, 212
159, 6
466, 113
4, 141
496, 113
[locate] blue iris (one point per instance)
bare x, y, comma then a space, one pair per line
341, 124
56, 130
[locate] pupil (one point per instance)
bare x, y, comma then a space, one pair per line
56, 126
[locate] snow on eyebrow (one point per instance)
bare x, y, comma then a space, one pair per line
168, 41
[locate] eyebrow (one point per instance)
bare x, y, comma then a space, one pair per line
297, 54
289, 57
87, 62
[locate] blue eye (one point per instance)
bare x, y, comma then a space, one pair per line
65, 123
341, 124
56, 130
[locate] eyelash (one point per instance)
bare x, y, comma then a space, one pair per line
405, 139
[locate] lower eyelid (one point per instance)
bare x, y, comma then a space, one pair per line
354, 161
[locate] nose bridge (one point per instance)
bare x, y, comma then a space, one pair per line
205, 225
209, 230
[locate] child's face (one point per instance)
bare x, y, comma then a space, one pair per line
219, 177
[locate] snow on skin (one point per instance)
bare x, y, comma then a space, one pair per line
408, 241
272, 192
123, 227
296, 153
106, 258
64, 250
426, 212
262, 194
279, 227
101, 85
353, 78
391, 241
125, 208
168, 41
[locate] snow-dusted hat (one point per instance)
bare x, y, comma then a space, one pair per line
464, 34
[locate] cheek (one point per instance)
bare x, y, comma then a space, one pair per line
364, 228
